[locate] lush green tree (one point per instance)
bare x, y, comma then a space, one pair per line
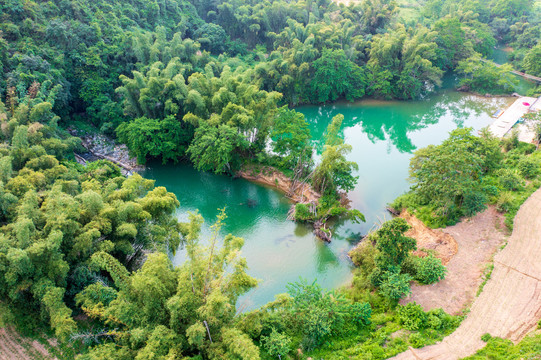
394, 285
321, 313
291, 138
334, 172
216, 148
444, 174
394, 247
485, 77
429, 270
335, 76
149, 138
532, 61
276, 344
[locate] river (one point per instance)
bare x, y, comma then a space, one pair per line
383, 134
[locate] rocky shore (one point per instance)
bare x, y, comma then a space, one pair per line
99, 146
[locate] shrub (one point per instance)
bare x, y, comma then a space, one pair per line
512, 141
363, 255
474, 202
528, 168
302, 213
411, 316
486, 337
510, 180
276, 344
429, 270
394, 286
417, 340
409, 266
491, 190
505, 202
438, 319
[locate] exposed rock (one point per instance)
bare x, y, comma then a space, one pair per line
100, 146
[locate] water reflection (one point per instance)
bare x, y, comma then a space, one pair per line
383, 136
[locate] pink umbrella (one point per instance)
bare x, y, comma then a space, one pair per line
526, 104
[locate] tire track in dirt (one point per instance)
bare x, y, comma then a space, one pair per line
510, 304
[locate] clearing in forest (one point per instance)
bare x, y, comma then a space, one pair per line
476, 239
510, 304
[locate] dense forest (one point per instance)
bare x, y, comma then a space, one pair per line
85, 252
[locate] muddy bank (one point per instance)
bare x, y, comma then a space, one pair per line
296, 191
99, 146
442, 245
433, 241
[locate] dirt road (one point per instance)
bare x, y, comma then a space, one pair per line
476, 240
510, 304
15, 347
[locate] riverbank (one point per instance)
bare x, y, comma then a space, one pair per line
296, 191
99, 146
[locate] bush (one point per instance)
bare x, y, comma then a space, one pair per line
417, 340
394, 286
363, 255
528, 168
429, 270
302, 213
506, 202
510, 180
411, 316
511, 142
486, 337
474, 202
438, 319
276, 344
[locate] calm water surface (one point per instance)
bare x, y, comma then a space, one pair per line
383, 135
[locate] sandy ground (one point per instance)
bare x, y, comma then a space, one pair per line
15, 347
441, 244
475, 241
510, 303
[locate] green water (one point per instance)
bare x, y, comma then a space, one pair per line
383, 136
500, 55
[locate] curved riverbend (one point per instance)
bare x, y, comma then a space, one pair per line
383, 135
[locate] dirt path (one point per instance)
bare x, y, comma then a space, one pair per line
510, 304
15, 347
477, 238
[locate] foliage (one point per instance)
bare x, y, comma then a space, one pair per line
335, 77
62, 223
149, 138
500, 349
394, 285
334, 172
291, 136
393, 246
429, 270
486, 77
412, 316
320, 313
276, 344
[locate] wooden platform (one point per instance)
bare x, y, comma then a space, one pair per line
511, 116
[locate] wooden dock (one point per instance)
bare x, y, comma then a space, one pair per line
511, 116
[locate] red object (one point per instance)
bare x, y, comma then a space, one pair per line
526, 104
